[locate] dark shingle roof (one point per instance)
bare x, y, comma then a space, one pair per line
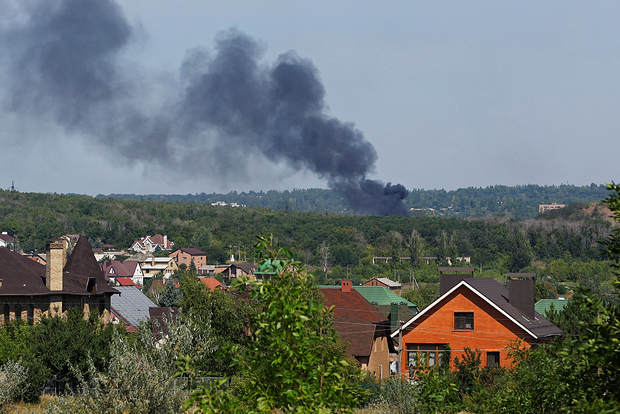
125, 268
192, 251
81, 266
22, 276
498, 294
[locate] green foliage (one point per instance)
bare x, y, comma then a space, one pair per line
219, 315
64, 344
140, 376
422, 296
13, 377
294, 362
171, 296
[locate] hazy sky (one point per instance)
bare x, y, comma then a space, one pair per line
450, 94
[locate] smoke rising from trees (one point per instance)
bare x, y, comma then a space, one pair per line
65, 61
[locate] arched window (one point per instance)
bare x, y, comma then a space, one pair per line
31, 314
7, 313
101, 306
18, 311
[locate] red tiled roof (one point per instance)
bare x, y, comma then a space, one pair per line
355, 319
125, 281
211, 282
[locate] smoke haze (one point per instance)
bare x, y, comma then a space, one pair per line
65, 62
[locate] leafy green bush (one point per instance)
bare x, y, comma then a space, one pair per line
294, 363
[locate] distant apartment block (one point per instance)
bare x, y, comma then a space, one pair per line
542, 208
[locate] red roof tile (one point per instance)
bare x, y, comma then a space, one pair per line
125, 281
355, 319
211, 282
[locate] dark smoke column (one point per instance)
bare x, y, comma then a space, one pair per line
65, 64
280, 110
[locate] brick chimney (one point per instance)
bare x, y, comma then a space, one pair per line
521, 292
394, 316
56, 258
345, 286
451, 276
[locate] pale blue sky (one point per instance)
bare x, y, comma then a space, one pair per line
451, 94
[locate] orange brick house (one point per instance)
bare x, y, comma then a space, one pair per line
475, 313
189, 255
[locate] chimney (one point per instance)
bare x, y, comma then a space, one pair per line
451, 276
56, 258
165, 241
345, 286
521, 292
394, 316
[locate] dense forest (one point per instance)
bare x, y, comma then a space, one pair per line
562, 244
519, 202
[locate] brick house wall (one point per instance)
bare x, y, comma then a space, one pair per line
492, 331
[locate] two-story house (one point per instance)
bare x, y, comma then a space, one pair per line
475, 313
188, 256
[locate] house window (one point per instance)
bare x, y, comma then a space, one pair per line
7, 313
424, 355
464, 320
492, 359
18, 311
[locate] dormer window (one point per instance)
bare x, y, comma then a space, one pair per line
464, 321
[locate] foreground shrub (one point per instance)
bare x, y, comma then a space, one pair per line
140, 375
12, 379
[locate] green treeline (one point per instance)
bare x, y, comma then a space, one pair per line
520, 202
561, 246
316, 239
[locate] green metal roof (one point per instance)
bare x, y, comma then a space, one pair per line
377, 295
543, 305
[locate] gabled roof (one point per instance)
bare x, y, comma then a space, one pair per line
355, 319
126, 268
131, 305
7, 237
125, 281
246, 267
211, 282
497, 296
192, 251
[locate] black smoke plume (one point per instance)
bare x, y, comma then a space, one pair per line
64, 60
